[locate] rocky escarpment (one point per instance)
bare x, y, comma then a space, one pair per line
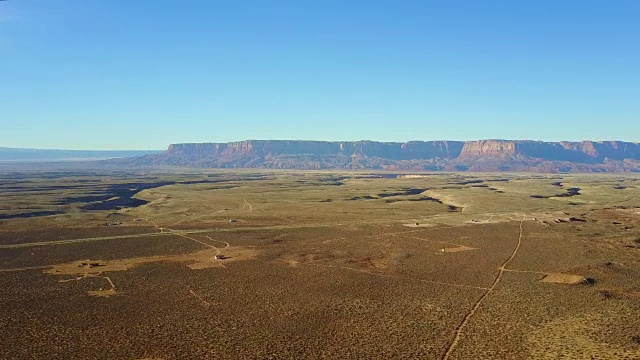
482, 155
488, 148
585, 151
263, 148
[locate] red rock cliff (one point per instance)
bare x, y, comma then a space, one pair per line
488, 147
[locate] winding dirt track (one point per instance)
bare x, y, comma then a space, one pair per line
475, 307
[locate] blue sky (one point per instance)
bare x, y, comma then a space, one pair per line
123, 74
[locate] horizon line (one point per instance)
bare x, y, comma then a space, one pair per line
300, 140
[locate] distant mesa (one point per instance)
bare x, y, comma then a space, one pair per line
481, 155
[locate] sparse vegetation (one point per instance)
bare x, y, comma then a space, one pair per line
245, 264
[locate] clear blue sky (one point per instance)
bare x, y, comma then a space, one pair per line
138, 74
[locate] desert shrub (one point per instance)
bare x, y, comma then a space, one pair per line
588, 281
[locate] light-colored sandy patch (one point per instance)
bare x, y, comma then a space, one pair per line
461, 218
198, 260
563, 278
456, 249
413, 176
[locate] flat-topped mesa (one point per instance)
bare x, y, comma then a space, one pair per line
262, 148
432, 149
404, 151
482, 155
585, 151
488, 148
614, 150
279, 147
252, 148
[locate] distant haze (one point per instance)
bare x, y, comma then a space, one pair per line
21, 155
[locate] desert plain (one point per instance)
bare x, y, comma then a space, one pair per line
240, 264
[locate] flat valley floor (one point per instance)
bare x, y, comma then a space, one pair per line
318, 265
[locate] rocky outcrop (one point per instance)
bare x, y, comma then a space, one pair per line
482, 155
615, 150
584, 152
488, 148
263, 148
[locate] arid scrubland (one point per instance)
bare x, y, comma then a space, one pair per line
216, 264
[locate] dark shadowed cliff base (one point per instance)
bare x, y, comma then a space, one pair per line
482, 155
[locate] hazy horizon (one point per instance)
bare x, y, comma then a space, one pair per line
312, 140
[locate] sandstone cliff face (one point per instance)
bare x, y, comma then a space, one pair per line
262, 148
488, 147
616, 150
482, 155
584, 152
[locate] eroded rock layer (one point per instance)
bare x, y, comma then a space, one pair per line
481, 155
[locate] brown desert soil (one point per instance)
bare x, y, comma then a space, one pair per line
246, 264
